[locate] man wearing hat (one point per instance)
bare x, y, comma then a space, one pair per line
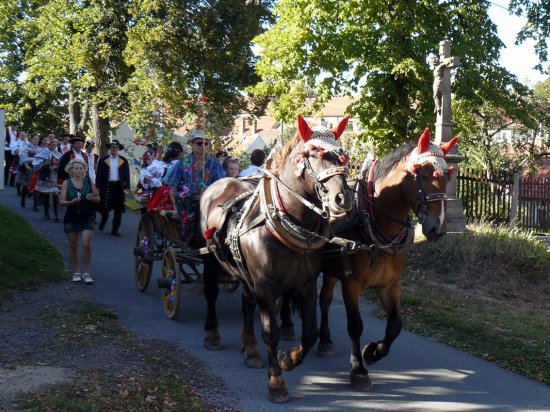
75, 152
113, 182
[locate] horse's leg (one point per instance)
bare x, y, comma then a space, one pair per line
287, 327
325, 347
359, 377
308, 306
276, 386
211, 275
390, 297
249, 344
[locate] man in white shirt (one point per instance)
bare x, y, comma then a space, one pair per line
92, 159
113, 182
257, 159
11, 136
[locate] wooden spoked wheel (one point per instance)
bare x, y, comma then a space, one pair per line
143, 253
171, 279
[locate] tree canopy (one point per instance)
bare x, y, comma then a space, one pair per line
125, 59
377, 51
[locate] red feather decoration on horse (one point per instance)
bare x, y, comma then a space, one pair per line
304, 129
424, 141
447, 147
341, 127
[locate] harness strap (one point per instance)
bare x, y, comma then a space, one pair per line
298, 196
282, 227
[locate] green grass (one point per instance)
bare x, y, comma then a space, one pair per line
151, 389
101, 391
27, 259
484, 292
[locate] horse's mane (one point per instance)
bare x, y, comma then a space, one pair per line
281, 156
388, 162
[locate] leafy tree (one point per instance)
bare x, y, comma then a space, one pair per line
378, 50
78, 47
182, 50
537, 27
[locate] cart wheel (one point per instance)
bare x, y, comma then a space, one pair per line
171, 278
143, 264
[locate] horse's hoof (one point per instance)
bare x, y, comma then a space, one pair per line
371, 353
278, 393
253, 362
360, 381
325, 350
212, 344
212, 340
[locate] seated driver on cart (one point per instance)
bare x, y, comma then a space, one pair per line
189, 178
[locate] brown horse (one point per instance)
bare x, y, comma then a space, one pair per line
271, 236
411, 178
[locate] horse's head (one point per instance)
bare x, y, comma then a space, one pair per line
426, 166
321, 166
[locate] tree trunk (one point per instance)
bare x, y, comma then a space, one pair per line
85, 116
100, 127
74, 113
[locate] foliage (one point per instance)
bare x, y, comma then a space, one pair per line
182, 50
26, 258
379, 50
537, 26
146, 60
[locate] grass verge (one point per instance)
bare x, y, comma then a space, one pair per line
27, 259
484, 292
133, 376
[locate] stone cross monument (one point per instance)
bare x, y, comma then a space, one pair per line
441, 67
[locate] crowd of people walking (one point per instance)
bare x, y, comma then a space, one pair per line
66, 172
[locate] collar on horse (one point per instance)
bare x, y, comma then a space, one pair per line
372, 232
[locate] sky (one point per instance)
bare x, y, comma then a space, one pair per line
518, 60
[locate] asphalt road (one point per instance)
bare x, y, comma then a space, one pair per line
418, 375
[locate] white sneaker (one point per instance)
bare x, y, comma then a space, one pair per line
87, 278
76, 277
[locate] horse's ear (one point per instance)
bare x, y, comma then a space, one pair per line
341, 127
304, 129
424, 141
447, 147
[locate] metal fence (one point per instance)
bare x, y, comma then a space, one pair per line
534, 203
504, 198
485, 197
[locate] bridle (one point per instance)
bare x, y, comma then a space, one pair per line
422, 208
319, 180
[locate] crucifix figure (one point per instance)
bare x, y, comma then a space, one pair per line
441, 67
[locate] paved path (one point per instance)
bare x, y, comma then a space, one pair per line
418, 375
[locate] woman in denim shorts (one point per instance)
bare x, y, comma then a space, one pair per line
77, 194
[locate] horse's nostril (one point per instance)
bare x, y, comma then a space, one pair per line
340, 199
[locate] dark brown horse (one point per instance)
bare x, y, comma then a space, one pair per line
411, 178
271, 236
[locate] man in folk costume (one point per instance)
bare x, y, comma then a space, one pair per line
92, 159
11, 136
75, 152
113, 182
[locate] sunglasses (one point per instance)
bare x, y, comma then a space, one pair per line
200, 144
